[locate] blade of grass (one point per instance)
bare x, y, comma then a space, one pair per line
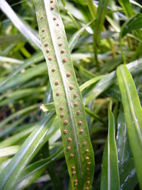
34, 59
100, 17
92, 8
43, 131
134, 67
18, 113
110, 173
15, 138
133, 23
23, 27
133, 116
24, 77
74, 39
33, 171
126, 5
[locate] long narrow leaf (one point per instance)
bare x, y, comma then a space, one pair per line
31, 146
110, 174
133, 23
24, 28
133, 116
66, 94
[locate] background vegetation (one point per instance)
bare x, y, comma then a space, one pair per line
105, 41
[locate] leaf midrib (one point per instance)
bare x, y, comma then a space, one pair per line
63, 76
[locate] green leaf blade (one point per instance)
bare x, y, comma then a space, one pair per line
110, 174
132, 24
133, 115
67, 97
31, 146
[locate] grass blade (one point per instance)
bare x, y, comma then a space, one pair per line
110, 173
67, 97
33, 171
133, 116
34, 59
31, 146
24, 77
28, 32
133, 23
134, 67
74, 39
100, 16
126, 5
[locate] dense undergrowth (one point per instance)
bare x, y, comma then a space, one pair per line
70, 93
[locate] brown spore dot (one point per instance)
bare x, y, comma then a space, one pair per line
49, 58
62, 115
81, 131
68, 148
88, 173
69, 139
60, 45
75, 104
53, 70
66, 121
68, 74
46, 44
56, 82
71, 87
75, 95
65, 60
41, 17
89, 163
51, 1
71, 155
87, 188
47, 51
61, 108
73, 167
51, 8
62, 51
86, 158
84, 142
59, 37
57, 24
54, 18
57, 94
75, 182
43, 30
73, 172
65, 131
78, 112
79, 122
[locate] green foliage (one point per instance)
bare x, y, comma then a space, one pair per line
110, 175
133, 23
133, 116
55, 112
66, 95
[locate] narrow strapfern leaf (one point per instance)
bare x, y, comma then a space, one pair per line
110, 174
67, 97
